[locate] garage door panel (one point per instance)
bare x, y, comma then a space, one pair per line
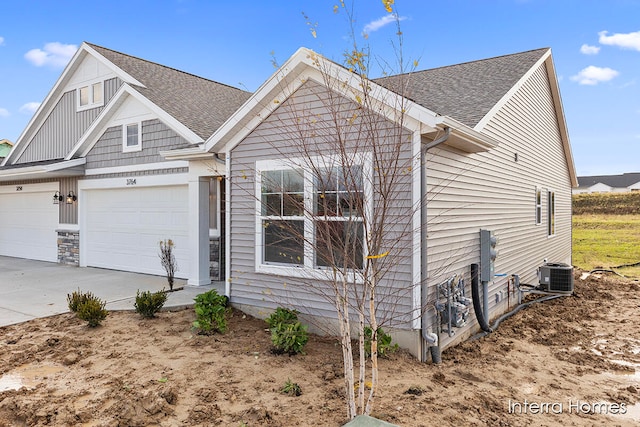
124, 228
28, 226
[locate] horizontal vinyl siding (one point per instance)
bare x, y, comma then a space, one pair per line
494, 191
156, 137
279, 136
65, 125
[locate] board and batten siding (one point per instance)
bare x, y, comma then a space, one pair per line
305, 114
156, 137
65, 125
496, 190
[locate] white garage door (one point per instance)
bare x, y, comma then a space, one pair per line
28, 222
124, 227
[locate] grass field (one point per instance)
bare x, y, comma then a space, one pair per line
605, 241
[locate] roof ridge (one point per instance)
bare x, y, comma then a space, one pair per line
164, 66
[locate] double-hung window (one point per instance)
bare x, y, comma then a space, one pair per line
131, 137
282, 200
310, 218
338, 203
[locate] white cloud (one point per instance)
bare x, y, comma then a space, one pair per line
54, 54
625, 41
4, 112
382, 22
593, 75
589, 50
29, 107
1, 40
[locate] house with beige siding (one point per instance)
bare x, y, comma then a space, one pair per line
124, 152
484, 145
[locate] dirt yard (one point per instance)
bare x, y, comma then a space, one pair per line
575, 357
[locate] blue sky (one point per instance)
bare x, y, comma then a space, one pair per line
595, 44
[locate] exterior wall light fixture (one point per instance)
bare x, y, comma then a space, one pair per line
71, 197
57, 198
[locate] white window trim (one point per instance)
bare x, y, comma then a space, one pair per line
90, 104
131, 148
551, 233
307, 270
215, 232
538, 207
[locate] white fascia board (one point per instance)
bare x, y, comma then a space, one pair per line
41, 171
562, 123
124, 76
465, 138
507, 96
101, 123
307, 65
48, 105
190, 153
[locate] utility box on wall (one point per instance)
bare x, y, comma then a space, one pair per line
488, 254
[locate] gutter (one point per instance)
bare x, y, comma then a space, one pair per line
429, 337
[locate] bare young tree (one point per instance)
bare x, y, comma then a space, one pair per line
341, 202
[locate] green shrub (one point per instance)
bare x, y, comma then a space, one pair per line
148, 304
384, 343
93, 311
288, 335
282, 315
211, 312
291, 388
76, 298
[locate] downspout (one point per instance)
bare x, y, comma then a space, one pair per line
429, 337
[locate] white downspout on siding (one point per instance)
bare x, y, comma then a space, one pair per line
430, 338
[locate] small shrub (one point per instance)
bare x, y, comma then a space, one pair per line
384, 343
288, 335
148, 304
282, 315
211, 312
168, 260
291, 388
76, 298
93, 311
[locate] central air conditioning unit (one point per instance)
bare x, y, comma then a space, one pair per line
556, 278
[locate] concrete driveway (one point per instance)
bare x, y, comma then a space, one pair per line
31, 289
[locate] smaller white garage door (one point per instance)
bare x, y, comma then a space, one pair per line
28, 221
124, 226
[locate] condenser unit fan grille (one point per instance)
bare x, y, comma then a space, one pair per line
557, 277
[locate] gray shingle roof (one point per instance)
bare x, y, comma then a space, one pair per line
468, 91
616, 181
200, 104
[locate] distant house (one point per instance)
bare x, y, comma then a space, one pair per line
608, 183
5, 147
